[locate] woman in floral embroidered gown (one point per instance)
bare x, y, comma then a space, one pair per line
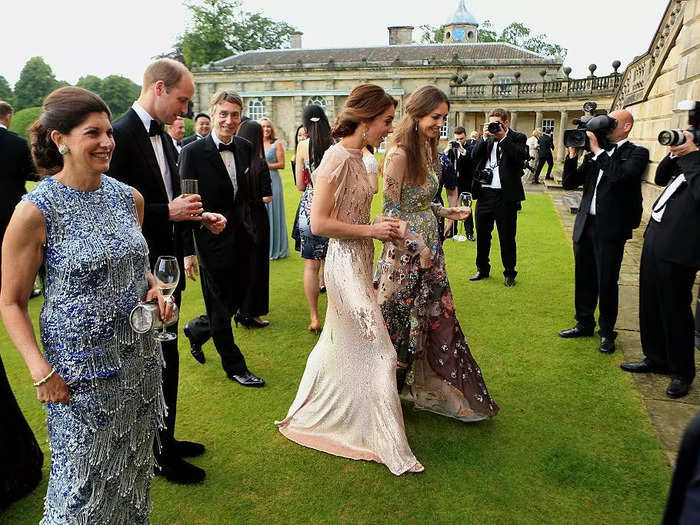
435, 366
347, 403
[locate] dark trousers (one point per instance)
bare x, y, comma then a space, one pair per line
468, 226
683, 504
492, 209
597, 262
665, 309
550, 162
171, 376
217, 324
697, 322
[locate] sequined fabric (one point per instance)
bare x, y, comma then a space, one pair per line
312, 246
419, 309
94, 272
347, 403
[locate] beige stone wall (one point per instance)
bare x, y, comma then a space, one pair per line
678, 79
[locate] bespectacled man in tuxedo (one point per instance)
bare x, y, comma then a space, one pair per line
220, 163
144, 157
610, 209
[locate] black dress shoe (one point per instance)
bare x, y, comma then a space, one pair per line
35, 293
642, 367
509, 281
249, 322
195, 348
247, 378
470, 237
179, 471
607, 345
678, 387
187, 449
478, 276
576, 331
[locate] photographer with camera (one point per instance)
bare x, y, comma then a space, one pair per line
670, 260
610, 209
459, 153
499, 159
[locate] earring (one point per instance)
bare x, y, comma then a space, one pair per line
416, 127
364, 138
63, 149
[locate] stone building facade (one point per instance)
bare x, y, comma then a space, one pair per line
476, 76
653, 85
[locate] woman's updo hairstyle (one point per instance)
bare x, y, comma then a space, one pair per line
63, 109
366, 102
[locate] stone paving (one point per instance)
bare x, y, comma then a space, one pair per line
669, 417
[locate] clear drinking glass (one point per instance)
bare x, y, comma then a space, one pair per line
167, 275
189, 187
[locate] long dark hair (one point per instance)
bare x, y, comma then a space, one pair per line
251, 130
296, 136
319, 131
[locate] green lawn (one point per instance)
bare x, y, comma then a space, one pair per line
572, 444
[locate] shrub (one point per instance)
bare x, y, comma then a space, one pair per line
23, 119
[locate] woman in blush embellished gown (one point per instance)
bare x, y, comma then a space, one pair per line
347, 403
436, 369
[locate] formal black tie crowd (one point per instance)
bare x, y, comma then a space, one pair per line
212, 232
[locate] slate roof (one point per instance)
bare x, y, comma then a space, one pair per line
408, 55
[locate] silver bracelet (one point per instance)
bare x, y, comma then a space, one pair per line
44, 380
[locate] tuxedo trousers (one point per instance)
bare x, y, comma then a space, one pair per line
540, 164
597, 271
683, 504
171, 377
217, 325
666, 324
492, 209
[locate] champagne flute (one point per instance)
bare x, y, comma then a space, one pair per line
167, 275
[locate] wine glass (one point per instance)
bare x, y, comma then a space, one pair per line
190, 187
167, 274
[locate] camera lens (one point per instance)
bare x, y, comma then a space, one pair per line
671, 137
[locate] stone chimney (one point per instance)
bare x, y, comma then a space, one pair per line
400, 35
295, 40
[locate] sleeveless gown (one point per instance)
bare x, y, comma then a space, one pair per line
279, 243
347, 403
418, 307
94, 272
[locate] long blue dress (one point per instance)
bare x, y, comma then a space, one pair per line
94, 272
279, 243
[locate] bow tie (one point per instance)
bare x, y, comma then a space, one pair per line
155, 129
226, 147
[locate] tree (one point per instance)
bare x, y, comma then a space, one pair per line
36, 80
516, 33
221, 28
119, 93
90, 82
6, 93
23, 119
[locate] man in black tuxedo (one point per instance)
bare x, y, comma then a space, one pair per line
611, 207
144, 157
202, 128
545, 148
670, 260
220, 162
497, 185
460, 156
176, 131
16, 167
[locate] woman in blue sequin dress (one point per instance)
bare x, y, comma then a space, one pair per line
100, 380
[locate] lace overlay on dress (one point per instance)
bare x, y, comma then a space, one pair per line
94, 272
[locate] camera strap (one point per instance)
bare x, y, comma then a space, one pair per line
499, 156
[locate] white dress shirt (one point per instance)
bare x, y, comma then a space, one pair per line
229, 162
178, 148
493, 164
657, 212
157, 149
3, 126
610, 152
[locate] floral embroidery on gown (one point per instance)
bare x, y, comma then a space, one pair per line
347, 403
419, 309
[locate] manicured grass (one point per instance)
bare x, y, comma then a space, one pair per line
572, 444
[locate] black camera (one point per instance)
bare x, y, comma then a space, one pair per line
485, 176
455, 144
675, 137
494, 127
599, 125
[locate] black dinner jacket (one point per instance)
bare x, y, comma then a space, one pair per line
189, 139
134, 163
202, 161
464, 168
619, 195
510, 169
679, 237
16, 167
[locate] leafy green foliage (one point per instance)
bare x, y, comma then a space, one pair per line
6, 93
221, 28
431, 34
90, 82
119, 93
23, 119
36, 80
189, 127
